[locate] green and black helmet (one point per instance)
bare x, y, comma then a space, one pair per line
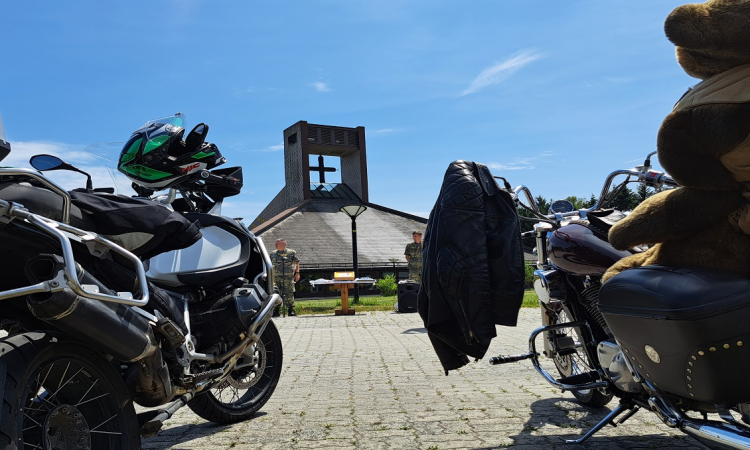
155, 157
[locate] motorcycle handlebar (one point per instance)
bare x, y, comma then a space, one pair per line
652, 178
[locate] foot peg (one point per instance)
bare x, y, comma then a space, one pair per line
581, 378
511, 358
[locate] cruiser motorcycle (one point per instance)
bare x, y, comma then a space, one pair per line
666, 339
93, 329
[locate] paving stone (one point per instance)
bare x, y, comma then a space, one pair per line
373, 381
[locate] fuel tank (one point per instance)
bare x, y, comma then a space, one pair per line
578, 251
220, 255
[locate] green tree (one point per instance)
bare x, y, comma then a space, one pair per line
543, 204
581, 202
625, 200
642, 192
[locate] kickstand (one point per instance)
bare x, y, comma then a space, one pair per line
151, 422
609, 419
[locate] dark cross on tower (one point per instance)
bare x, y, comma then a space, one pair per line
321, 169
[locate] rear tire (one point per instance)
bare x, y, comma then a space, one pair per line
58, 393
577, 362
247, 389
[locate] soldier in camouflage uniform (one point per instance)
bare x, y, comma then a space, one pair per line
285, 272
413, 255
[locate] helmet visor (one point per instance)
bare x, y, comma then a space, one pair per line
159, 132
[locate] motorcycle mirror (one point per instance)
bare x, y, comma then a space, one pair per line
49, 162
4, 144
196, 137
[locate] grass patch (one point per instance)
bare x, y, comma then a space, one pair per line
376, 303
327, 306
530, 299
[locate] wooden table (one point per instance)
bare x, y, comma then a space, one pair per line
344, 287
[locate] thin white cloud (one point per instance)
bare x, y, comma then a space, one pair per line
382, 131
518, 164
320, 86
98, 160
501, 71
522, 163
269, 149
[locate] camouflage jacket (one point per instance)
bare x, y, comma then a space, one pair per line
414, 252
284, 267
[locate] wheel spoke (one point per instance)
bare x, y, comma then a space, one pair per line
43, 399
106, 432
45, 377
63, 375
92, 399
37, 410
87, 392
93, 429
31, 419
59, 388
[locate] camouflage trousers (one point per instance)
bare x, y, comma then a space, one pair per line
286, 286
415, 272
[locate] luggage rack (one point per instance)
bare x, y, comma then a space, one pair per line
68, 278
47, 184
588, 380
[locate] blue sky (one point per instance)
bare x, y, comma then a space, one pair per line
553, 95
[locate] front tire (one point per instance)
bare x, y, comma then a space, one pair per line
248, 388
60, 394
577, 362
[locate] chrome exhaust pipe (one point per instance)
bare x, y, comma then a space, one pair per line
725, 434
721, 433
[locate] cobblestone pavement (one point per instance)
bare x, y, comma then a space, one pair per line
372, 381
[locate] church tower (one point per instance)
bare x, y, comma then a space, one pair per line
304, 182
307, 210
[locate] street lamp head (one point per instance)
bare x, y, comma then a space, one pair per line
353, 210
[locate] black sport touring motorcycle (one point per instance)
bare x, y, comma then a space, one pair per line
106, 303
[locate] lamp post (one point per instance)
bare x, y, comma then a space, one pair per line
395, 274
353, 211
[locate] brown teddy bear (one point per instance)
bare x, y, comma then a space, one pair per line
704, 144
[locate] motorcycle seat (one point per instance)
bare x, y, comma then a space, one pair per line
673, 293
44, 202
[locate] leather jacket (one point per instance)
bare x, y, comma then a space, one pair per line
473, 269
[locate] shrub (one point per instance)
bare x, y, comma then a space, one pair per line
387, 286
529, 282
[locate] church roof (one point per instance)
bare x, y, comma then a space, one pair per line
322, 236
333, 190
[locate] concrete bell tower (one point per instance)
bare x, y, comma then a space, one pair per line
302, 140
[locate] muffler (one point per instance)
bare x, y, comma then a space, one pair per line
112, 328
717, 433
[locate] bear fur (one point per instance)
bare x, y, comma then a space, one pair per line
704, 144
